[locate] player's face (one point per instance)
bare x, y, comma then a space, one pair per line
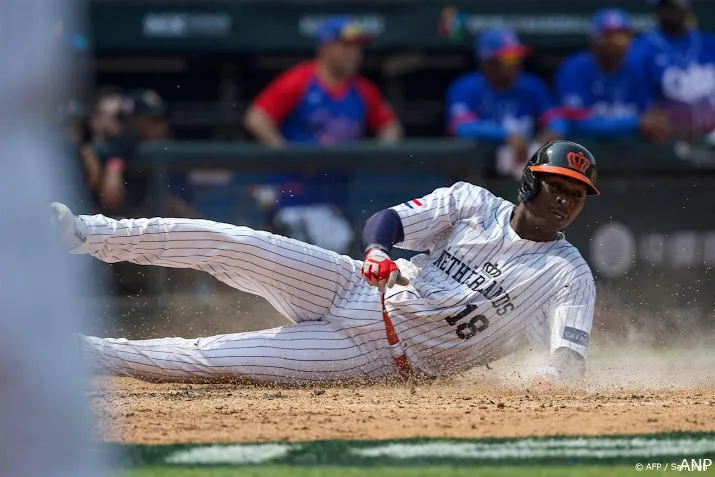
151, 128
614, 44
672, 15
344, 57
502, 72
558, 203
105, 121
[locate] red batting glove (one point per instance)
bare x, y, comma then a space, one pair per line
379, 270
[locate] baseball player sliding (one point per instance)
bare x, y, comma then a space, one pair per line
493, 277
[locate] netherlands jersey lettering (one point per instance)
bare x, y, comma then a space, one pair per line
480, 291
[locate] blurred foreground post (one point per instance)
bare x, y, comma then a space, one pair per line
45, 426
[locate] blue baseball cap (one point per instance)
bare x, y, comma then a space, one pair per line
499, 43
342, 28
610, 19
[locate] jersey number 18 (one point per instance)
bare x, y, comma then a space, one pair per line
475, 325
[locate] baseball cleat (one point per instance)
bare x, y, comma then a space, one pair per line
72, 229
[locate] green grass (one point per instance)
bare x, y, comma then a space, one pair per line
561, 471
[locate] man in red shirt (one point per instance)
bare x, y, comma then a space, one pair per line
323, 102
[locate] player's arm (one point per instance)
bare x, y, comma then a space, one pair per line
463, 121
570, 316
92, 167
112, 193
379, 234
380, 117
414, 225
273, 105
112, 190
641, 56
653, 124
263, 127
607, 127
391, 132
575, 105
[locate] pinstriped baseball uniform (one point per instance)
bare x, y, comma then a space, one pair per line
481, 291
477, 293
339, 333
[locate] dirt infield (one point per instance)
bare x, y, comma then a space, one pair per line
624, 394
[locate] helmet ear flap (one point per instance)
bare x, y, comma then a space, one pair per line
529, 185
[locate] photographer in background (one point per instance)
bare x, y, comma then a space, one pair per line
124, 188
84, 167
103, 122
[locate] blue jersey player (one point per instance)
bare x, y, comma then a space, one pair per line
500, 104
601, 92
679, 63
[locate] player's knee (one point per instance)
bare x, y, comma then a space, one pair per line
223, 233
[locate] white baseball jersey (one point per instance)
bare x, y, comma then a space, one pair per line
478, 293
481, 291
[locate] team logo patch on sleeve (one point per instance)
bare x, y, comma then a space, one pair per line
575, 336
413, 203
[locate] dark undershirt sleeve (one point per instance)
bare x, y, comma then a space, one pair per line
382, 230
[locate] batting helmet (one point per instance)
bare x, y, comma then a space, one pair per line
565, 158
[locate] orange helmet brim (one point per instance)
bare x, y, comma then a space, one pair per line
562, 171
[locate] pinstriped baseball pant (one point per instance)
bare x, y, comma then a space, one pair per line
338, 333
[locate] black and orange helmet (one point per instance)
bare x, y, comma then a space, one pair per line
565, 158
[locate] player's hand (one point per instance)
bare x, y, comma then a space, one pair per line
113, 192
266, 196
379, 270
655, 126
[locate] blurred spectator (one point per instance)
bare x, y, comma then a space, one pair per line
679, 63
502, 105
104, 122
84, 169
324, 101
124, 189
320, 102
601, 92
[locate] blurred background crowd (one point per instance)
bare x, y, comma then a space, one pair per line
639, 72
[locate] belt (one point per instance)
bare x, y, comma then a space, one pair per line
396, 350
